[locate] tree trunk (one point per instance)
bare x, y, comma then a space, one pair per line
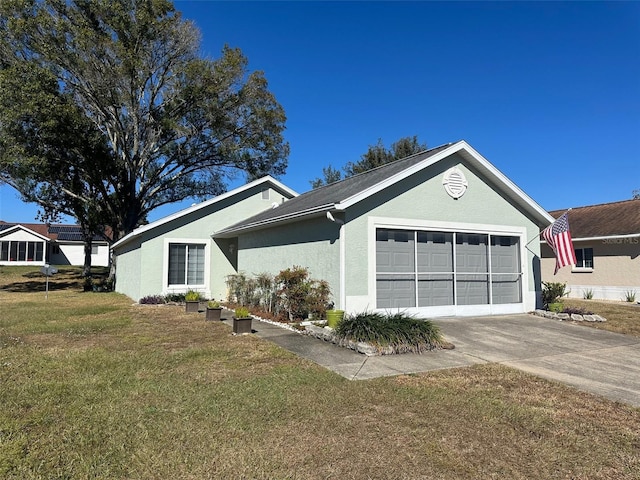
86, 269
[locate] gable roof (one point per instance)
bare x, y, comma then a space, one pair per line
342, 194
616, 219
38, 230
194, 208
53, 232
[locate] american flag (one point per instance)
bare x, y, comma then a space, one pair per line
558, 237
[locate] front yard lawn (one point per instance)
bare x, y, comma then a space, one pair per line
622, 317
92, 386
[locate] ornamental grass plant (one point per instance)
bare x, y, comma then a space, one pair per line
391, 333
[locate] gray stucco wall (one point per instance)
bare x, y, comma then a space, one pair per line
422, 197
128, 270
314, 244
141, 263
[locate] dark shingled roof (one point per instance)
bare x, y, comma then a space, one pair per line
323, 198
62, 233
604, 220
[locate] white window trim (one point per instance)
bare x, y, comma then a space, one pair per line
412, 224
203, 288
576, 269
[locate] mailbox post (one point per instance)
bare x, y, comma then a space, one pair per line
48, 270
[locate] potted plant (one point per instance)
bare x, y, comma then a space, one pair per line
192, 301
214, 311
334, 317
242, 321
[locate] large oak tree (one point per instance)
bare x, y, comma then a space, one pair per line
108, 110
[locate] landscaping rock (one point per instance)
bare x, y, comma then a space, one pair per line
366, 349
565, 316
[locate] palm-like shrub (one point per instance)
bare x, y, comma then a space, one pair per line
398, 332
552, 292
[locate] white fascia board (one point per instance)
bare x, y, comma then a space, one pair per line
28, 230
470, 154
530, 204
366, 193
145, 228
291, 217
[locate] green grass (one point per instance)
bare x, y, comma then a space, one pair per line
150, 392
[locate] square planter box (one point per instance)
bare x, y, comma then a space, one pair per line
214, 314
242, 325
192, 307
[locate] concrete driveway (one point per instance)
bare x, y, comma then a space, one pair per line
596, 361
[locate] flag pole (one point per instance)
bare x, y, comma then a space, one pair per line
538, 235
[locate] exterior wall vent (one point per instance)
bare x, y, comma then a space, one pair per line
455, 183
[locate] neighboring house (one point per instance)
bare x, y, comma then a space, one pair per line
37, 244
177, 253
606, 239
442, 232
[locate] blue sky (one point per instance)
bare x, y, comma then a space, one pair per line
548, 92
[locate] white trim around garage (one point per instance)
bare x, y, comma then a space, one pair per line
450, 310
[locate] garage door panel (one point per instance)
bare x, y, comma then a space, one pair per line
394, 291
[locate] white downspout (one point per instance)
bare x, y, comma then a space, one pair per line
343, 256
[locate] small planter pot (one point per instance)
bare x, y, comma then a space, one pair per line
242, 325
214, 314
192, 306
334, 317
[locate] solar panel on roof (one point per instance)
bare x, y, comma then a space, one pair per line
70, 237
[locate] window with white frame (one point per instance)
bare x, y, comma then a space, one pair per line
584, 257
430, 268
186, 264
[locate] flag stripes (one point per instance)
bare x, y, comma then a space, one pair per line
558, 237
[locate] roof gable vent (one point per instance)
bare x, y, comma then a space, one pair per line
455, 183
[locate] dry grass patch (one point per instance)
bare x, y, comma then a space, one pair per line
622, 317
164, 394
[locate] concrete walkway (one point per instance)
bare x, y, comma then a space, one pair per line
596, 361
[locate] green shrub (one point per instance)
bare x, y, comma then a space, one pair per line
557, 307
298, 295
552, 292
242, 289
213, 304
192, 296
290, 295
398, 332
587, 294
630, 296
174, 297
242, 312
265, 291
